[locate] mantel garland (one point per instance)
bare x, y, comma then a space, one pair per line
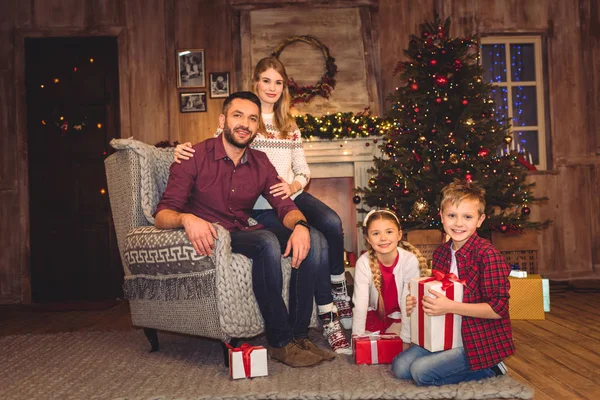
323, 88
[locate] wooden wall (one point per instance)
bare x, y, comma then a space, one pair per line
150, 31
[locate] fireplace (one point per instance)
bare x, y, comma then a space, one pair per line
337, 167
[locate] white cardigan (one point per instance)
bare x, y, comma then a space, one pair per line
365, 294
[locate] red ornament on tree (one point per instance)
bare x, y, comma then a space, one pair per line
469, 177
414, 86
503, 228
405, 191
483, 152
465, 102
416, 109
526, 210
433, 62
438, 100
441, 80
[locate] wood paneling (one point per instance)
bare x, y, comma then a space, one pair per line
8, 137
397, 20
147, 69
107, 12
59, 13
10, 264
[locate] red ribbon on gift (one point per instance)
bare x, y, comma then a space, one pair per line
246, 350
448, 286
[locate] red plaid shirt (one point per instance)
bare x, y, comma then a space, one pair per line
486, 341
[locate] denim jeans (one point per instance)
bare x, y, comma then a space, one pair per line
264, 247
439, 368
322, 291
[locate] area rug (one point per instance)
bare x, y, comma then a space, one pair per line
117, 365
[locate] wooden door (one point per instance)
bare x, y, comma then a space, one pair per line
72, 114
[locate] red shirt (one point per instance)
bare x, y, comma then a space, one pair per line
486, 341
211, 187
389, 291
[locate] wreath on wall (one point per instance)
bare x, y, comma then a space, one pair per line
323, 88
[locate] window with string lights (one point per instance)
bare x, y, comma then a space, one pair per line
515, 65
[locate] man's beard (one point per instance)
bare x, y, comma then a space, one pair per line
231, 139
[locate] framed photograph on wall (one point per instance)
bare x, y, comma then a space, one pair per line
192, 102
219, 84
191, 68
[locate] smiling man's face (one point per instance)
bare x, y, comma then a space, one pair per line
241, 123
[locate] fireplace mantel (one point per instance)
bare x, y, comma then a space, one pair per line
341, 159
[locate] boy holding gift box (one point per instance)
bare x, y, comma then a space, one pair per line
486, 331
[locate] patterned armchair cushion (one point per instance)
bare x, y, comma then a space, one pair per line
152, 251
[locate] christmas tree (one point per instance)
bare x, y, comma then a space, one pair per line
445, 127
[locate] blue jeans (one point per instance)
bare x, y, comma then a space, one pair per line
264, 247
326, 221
439, 368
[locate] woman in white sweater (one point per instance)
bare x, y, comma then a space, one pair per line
381, 277
279, 137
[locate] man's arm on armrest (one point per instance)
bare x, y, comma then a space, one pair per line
201, 233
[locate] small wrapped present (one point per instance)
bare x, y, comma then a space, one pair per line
375, 348
441, 332
247, 361
517, 272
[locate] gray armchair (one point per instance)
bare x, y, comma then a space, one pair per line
170, 287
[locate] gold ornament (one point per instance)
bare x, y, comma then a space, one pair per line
469, 122
422, 139
453, 158
420, 207
508, 139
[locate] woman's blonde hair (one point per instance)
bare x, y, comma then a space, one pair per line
374, 263
284, 122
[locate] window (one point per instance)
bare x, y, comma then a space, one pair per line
514, 65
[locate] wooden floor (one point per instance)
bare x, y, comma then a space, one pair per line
559, 357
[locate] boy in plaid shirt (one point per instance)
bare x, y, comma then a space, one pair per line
486, 331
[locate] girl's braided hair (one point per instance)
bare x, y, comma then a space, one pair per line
374, 263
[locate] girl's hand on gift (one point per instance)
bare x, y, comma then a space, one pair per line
438, 305
411, 301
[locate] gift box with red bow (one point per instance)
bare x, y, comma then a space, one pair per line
376, 349
247, 361
441, 332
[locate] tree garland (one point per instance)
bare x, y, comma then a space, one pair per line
323, 88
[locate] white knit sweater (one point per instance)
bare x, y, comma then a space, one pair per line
287, 155
365, 294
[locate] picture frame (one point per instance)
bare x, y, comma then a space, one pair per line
192, 102
191, 68
219, 84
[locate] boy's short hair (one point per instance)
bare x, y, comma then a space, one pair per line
460, 190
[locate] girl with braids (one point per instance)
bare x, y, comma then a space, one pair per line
381, 277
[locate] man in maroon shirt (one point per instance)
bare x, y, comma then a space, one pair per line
220, 185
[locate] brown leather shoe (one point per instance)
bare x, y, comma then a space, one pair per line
293, 355
306, 344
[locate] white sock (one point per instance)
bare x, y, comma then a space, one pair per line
338, 278
327, 308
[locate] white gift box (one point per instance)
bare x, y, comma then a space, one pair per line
256, 362
518, 274
435, 333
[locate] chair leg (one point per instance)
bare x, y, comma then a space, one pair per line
233, 342
152, 336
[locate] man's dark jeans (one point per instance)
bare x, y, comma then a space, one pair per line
264, 247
